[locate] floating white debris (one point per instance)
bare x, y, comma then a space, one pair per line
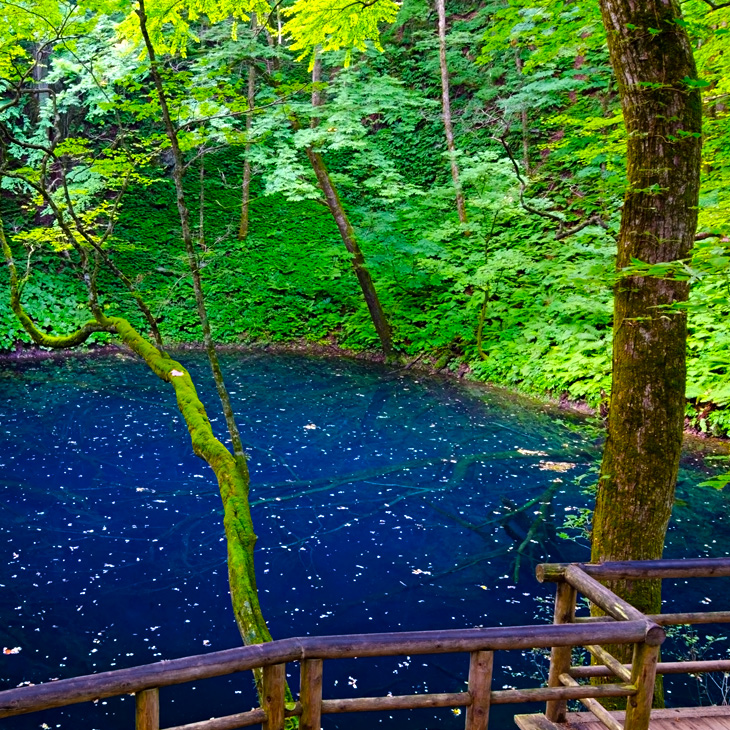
555, 466
310, 427
14, 650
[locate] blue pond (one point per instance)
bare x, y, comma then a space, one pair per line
383, 501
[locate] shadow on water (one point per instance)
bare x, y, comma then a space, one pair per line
383, 501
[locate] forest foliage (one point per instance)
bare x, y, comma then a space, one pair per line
522, 292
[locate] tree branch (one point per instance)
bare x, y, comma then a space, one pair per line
562, 232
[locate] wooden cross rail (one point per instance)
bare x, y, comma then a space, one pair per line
668, 619
476, 701
640, 569
696, 667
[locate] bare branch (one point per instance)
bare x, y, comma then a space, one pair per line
705, 235
562, 233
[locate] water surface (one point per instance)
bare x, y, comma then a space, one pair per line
383, 501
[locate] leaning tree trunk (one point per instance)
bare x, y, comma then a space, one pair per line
347, 232
230, 469
652, 60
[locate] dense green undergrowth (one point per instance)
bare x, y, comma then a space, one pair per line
548, 303
503, 294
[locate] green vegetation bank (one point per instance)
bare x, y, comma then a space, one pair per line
521, 291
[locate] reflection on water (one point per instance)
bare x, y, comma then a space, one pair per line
382, 501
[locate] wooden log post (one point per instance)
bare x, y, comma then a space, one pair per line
274, 694
310, 695
480, 688
147, 709
560, 656
643, 677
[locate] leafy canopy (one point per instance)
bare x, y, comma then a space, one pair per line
328, 25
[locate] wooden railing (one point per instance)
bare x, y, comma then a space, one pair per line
623, 625
310, 652
641, 673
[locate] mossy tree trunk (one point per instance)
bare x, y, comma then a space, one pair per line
652, 60
231, 470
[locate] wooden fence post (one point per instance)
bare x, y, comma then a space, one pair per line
643, 677
480, 689
274, 696
560, 656
310, 695
147, 709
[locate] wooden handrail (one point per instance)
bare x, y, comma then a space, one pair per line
668, 619
689, 667
641, 673
600, 595
176, 671
640, 569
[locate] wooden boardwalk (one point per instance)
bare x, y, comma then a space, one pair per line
680, 718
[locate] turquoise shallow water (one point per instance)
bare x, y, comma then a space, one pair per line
380, 501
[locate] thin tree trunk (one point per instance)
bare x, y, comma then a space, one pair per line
651, 57
41, 54
347, 233
246, 185
201, 203
446, 107
234, 488
523, 118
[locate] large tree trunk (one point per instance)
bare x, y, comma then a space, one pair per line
446, 110
651, 57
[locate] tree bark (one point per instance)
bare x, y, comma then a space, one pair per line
446, 110
651, 57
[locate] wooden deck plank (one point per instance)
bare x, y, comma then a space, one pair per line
676, 718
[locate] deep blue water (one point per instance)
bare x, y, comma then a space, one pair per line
377, 500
